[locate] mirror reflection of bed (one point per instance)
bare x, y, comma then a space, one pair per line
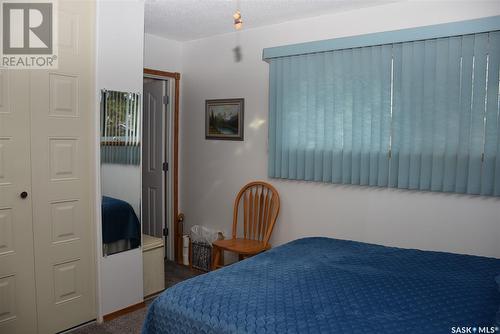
121, 229
132, 213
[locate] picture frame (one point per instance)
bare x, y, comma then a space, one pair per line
224, 119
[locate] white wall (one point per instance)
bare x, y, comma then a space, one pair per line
120, 36
213, 171
113, 184
162, 54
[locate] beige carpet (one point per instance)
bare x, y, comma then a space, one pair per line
130, 323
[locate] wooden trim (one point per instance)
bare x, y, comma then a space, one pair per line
174, 75
153, 295
124, 311
177, 231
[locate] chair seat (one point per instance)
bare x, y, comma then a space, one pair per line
242, 246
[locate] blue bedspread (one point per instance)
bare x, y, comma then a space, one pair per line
119, 222
321, 285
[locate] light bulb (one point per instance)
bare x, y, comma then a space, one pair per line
238, 23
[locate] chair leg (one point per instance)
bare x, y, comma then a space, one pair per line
215, 257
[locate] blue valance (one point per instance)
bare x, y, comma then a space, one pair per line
387, 37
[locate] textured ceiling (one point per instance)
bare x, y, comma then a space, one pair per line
184, 20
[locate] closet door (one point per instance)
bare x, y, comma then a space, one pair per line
17, 279
62, 103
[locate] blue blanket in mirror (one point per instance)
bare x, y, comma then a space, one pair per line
119, 222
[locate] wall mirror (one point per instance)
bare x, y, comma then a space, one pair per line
120, 171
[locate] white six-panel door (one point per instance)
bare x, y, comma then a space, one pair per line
153, 156
17, 278
62, 103
46, 124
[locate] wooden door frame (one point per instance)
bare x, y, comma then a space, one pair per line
175, 168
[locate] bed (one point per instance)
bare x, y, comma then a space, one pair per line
323, 285
121, 229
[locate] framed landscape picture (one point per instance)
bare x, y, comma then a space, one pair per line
224, 119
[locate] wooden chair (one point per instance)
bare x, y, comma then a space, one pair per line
261, 205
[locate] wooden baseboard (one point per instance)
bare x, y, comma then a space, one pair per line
153, 295
124, 311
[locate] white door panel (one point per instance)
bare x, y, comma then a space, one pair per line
45, 238
45, 127
153, 156
61, 107
17, 278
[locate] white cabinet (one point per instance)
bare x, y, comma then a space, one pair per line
153, 250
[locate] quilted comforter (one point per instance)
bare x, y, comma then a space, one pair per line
119, 222
322, 285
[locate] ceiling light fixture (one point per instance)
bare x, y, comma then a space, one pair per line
238, 22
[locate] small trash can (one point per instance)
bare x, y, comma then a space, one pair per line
201, 255
201, 247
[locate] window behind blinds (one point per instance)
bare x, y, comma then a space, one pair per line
121, 124
414, 115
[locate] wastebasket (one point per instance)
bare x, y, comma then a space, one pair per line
201, 247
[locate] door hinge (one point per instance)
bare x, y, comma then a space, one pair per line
165, 232
165, 166
166, 100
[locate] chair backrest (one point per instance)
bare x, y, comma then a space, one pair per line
261, 206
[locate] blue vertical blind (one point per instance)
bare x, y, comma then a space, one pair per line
121, 124
413, 115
